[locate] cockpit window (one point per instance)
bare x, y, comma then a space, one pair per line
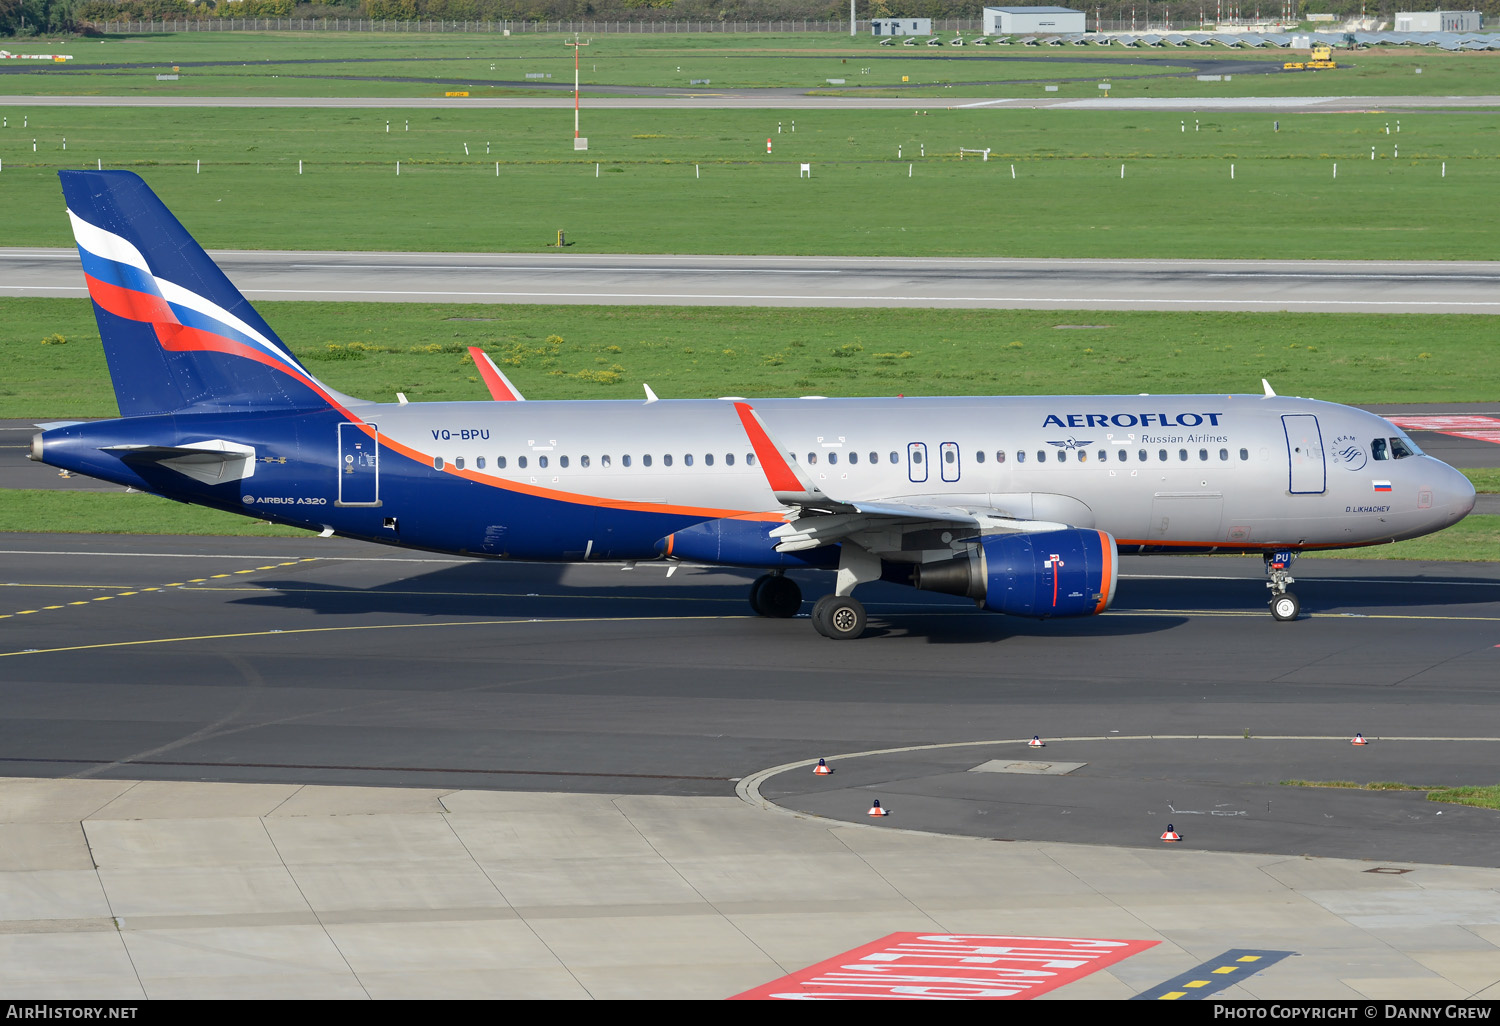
1377, 449
1400, 450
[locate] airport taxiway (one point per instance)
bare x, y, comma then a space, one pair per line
310, 767
706, 280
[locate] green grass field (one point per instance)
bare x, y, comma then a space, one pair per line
364, 64
638, 189
376, 350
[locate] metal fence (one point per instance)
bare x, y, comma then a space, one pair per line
861, 26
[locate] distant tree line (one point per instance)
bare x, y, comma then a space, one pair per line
29, 17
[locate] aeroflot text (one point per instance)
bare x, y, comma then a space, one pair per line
1237, 1011
1088, 420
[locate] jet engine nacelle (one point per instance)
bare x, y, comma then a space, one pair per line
1053, 573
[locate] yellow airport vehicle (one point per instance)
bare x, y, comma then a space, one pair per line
1322, 57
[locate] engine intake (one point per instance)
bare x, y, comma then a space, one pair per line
1071, 572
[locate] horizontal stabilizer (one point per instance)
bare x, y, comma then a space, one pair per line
213, 462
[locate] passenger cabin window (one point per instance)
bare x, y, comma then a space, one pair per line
583, 461
562, 461
916, 455
521, 462
1223, 455
437, 463
479, 463
500, 462
625, 460
604, 461
833, 457
729, 459
1161, 454
541, 461
458, 464
749, 459
666, 460
1020, 455
646, 461
1041, 455
999, 455
854, 457
979, 455
1142, 456
895, 457
1202, 455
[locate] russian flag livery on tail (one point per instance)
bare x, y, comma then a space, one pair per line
168, 316
980, 497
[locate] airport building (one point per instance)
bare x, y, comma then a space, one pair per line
1037, 21
1438, 21
900, 26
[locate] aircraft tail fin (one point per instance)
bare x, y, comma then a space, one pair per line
177, 334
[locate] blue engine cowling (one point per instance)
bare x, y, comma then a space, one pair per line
1071, 572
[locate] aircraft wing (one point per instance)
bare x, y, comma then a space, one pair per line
880, 525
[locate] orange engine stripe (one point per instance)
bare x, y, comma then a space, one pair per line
1106, 575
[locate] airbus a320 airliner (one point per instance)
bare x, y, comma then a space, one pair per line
1021, 504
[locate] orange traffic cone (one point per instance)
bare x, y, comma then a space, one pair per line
1171, 835
1358, 739
1036, 742
822, 769
876, 810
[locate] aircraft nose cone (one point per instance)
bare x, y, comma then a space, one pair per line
1458, 495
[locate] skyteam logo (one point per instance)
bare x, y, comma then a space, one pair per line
1349, 453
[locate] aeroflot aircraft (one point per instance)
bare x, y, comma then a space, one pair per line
1021, 504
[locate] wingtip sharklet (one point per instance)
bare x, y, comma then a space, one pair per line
501, 389
787, 481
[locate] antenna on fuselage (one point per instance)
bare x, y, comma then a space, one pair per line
1270, 392
650, 395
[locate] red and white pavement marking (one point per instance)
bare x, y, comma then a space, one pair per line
949, 967
1484, 429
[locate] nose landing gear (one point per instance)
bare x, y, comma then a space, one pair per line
1284, 605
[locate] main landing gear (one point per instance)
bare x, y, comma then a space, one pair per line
839, 616
834, 616
775, 595
1284, 605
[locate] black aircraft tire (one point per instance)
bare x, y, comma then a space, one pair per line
820, 614
755, 591
779, 597
1285, 607
843, 619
